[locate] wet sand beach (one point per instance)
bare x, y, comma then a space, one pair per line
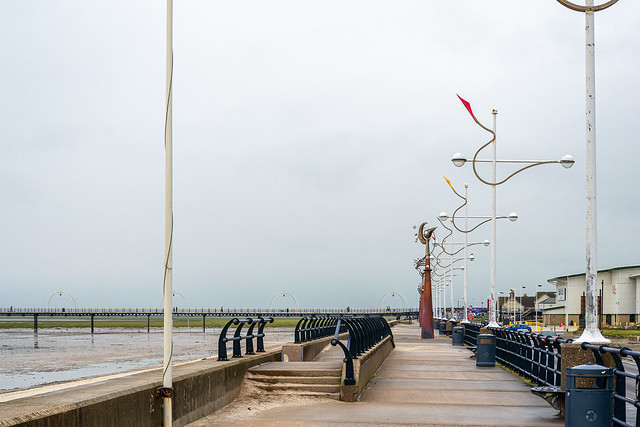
54, 356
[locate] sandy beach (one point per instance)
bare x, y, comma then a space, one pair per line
54, 356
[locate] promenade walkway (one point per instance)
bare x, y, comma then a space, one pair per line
422, 382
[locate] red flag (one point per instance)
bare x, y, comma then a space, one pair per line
466, 104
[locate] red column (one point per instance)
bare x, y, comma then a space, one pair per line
426, 309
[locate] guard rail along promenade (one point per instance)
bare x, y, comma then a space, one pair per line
204, 386
545, 361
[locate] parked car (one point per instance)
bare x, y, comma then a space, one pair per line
519, 327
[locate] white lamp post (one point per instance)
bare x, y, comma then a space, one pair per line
450, 268
535, 305
522, 304
511, 217
459, 160
464, 247
591, 332
167, 372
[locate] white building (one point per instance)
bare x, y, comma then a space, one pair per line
618, 295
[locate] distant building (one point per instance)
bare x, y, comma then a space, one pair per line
618, 297
525, 306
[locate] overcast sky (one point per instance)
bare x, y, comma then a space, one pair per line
309, 138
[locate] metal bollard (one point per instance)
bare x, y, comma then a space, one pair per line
457, 336
486, 350
590, 401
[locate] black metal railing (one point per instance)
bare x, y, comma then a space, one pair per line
238, 337
315, 327
364, 333
471, 332
536, 357
620, 399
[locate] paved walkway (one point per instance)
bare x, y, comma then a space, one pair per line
422, 382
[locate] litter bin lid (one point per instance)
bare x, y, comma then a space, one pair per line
590, 370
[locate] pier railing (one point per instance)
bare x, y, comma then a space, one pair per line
223, 311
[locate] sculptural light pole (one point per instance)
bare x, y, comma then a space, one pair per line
426, 307
591, 332
459, 160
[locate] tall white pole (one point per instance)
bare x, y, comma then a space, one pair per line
466, 243
591, 332
167, 375
437, 285
434, 298
442, 305
492, 300
521, 308
451, 274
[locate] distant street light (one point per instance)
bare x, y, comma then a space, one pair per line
392, 294
459, 160
61, 293
535, 305
445, 216
284, 293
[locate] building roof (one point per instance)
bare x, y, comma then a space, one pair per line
604, 270
548, 301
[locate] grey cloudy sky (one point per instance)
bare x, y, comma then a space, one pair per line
309, 137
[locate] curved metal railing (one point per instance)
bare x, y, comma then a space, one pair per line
237, 337
315, 327
364, 333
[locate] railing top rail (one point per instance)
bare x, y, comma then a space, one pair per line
623, 351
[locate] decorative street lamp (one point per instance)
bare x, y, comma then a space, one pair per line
392, 294
426, 307
284, 293
444, 216
591, 332
450, 269
61, 293
459, 160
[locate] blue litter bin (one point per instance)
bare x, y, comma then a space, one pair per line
442, 327
457, 336
486, 350
589, 399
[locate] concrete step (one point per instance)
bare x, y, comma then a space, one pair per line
269, 379
322, 388
333, 396
299, 369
